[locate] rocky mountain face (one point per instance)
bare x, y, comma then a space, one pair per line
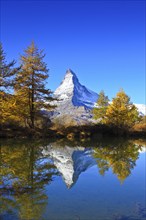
75, 101
71, 90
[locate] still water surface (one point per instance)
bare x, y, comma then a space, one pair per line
63, 180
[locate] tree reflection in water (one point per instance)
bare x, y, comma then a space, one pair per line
26, 169
24, 173
120, 155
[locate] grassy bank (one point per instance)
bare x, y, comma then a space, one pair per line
71, 132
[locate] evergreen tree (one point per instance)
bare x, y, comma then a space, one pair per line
6, 71
99, 112
30, 87
121, 112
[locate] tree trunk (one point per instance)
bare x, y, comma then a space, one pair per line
32, 102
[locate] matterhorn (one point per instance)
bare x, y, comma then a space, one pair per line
74, 101
70, 90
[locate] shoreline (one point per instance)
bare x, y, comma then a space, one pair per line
71, 132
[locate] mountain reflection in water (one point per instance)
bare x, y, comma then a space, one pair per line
27, 167
70, 161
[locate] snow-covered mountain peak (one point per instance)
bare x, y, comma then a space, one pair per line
65, 90
70, 72
71, 90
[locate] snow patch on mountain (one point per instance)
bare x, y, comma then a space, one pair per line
141, 108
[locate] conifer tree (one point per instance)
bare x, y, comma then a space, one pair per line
30, 88
7, 75
99, 112
6, 71
121, 112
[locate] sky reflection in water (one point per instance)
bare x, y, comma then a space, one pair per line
63, 180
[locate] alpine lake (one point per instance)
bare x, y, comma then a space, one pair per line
98, 179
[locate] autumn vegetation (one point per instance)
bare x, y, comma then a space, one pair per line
121, 115
24, 94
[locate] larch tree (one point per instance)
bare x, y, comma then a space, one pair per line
99, 111
121, 112
7, 75
6, 70
30, 87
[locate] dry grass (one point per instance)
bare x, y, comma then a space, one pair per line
139, 127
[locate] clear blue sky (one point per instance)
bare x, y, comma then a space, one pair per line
103, 42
